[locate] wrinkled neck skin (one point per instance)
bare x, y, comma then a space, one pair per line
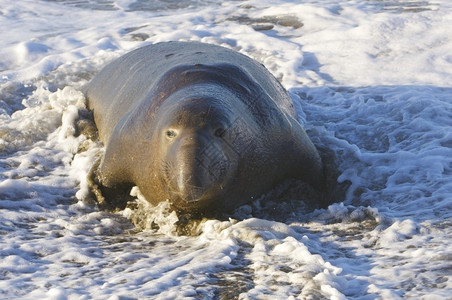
202, 148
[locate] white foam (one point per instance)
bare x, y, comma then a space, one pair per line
371, 82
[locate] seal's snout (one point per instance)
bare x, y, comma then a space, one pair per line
198, 167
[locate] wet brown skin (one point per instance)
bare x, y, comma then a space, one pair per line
201, 125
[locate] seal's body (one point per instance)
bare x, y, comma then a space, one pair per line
198, 124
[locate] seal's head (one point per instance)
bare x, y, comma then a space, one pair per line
199, 159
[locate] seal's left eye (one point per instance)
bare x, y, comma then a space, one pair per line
171, 134
220, 132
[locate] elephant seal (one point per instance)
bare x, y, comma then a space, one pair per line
200, 125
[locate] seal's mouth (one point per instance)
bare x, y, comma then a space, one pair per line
195, 198
194, 190
191, 194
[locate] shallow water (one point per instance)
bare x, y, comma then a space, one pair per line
371, 83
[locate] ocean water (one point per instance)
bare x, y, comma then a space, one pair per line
372, 81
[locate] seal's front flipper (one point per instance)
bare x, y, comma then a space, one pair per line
334, 191
111, 198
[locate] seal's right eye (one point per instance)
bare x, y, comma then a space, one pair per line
171, 134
